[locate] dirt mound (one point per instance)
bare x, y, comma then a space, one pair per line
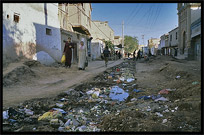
32, 63
18, 74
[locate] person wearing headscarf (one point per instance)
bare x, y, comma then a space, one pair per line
68, 52
82, 56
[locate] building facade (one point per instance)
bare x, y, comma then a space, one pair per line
100, 32
32, 31
75, 22
173, 42
153, 44
187, 14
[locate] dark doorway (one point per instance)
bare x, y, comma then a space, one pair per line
184, 42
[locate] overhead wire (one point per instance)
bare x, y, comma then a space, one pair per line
132, 13
135, 14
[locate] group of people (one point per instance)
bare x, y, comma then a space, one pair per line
68, 54
117, 53
138, 55
82, 54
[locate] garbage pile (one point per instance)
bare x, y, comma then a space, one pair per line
112, 102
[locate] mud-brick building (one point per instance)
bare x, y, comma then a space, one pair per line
31, 30
75, 22
188, 17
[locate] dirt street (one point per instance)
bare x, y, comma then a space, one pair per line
159, 94
26, 80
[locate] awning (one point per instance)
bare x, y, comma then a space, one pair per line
81, 29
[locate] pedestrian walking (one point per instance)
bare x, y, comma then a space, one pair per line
119, 55
68, 52
134, 55
106, 53
82, 56
138, 55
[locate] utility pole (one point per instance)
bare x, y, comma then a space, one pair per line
143, 39
123, 39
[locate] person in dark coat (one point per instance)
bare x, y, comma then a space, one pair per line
68, 52
134, 55
119, 55
138, 55
106, 53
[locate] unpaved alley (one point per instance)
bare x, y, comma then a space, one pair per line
159, 94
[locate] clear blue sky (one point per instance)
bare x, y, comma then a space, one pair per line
148, 19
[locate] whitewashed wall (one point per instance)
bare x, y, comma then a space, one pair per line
28, 37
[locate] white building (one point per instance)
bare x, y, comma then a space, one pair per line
31, 30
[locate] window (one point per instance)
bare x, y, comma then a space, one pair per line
77, 36
48, 31
16, 18
7, 16
176, 35
170, 37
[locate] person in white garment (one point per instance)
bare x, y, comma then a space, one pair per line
82, 56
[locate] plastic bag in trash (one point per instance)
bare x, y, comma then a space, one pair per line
117, 93
59, 105
194, 83
50, 115
135, 90
61, 110
164, 91
130, 79
161, 99
144, 97
5, 115
28, 112
155, 97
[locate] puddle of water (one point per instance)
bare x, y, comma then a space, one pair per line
117, 93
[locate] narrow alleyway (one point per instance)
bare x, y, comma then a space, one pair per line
161, 94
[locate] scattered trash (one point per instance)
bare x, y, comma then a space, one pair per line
135, 90
122, 79
164, 91
60, 110
59, 105
149, 109
28, 112
89, 92
63, 99
110, 77
144, 97
95, 94
12, 120
50, 115
5, 115
159, 114
172, 110
155, 97
117, 93
133, 99
164, 121
176, 108
130, 79
161, 99
194, 83
177, 77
